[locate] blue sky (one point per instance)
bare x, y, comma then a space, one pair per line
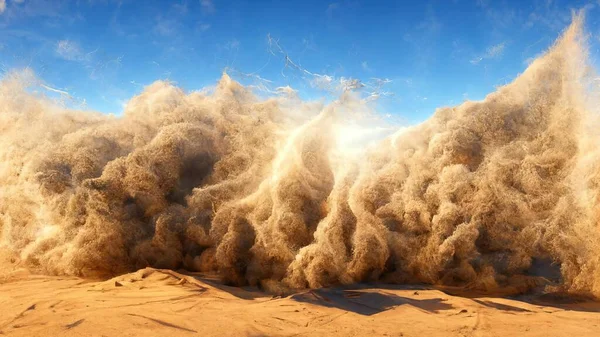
433, 53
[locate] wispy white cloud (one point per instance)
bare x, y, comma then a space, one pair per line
98, 64
2, 6
58, 91
492, 52
371, 90
208, 6
476, 60
365, 66
165, 26
233, 44
68, 50
202, 27
496, 50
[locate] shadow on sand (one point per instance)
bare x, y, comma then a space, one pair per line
366, 302
537, 297
372, 298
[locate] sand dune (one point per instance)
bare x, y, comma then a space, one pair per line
153, 302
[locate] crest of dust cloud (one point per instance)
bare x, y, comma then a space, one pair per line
485, 194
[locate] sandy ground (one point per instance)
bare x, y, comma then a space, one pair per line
165, 303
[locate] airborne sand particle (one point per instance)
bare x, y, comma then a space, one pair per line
486, 194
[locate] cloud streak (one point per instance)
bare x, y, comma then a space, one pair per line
68, 50
493, 52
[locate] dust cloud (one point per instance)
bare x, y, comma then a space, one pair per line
490, 194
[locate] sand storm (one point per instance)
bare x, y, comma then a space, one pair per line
488, 195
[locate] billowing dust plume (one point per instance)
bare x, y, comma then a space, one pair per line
486, 194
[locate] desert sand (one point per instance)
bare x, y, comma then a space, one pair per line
154, 302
